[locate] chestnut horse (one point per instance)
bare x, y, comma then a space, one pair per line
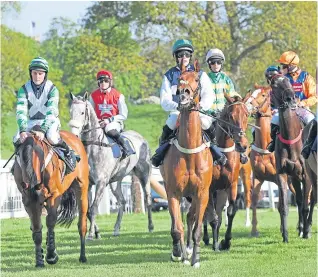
289, 161
187, 167
263, 161
38, 173
232, 140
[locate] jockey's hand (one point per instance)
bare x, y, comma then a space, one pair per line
104, 122
23, 136
39, 135
301, 104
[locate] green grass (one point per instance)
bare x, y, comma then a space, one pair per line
139, 253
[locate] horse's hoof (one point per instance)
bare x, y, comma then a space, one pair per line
255, 234
224, 245
150, 229
301, 234
196, 265
116, 233
82, 259
175, 259
206, 242
186, 262
189, 252
98, 236
52, 259
215, 248
40, 264
248, 224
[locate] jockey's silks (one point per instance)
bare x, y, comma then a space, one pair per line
106, 104
298, 84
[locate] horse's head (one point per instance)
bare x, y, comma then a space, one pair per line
31, 156
236, 113
283, 93
79, 113
260, 100
189, 88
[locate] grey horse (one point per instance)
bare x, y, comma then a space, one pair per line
107, 167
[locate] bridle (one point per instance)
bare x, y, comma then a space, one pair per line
280, 98
195, 93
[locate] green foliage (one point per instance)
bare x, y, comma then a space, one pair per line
138, 253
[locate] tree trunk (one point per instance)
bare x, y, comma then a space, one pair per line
136, 194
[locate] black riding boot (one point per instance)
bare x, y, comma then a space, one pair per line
274, 130
253, 135
160, 153
127, 150
312, 134
243, 158
218, 156
70, 161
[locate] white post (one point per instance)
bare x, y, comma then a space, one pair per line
271, 196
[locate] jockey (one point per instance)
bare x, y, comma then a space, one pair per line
111, 109
305, 90
309, 143
220, 83
182, 50
37, 104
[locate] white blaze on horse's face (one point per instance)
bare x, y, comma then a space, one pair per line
78, 114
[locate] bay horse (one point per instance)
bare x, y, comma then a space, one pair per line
232, 140
263, 161
187, 167
106, 166
39, 175
289, 161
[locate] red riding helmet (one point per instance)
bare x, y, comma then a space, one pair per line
103, 74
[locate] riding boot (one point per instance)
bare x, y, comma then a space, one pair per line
211, 133
166, 133
69, 160
16, 148
274, 130
127, 150
218, 156
312, 134
253, 135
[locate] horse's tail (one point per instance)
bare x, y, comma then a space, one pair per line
68, 208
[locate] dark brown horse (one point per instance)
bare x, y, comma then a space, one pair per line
231, 138
289, 161
38, 173
187, 168
263, 162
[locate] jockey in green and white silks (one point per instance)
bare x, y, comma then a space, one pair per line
221, 83
182, 51
37, 104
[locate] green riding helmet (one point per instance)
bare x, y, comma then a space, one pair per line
39, 63
182, 44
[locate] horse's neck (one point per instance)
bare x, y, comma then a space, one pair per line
222, 138
289, 123
262, 136
96, 132
190, 133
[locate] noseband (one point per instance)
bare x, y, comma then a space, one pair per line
195, 94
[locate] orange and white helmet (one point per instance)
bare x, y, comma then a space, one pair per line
289, 57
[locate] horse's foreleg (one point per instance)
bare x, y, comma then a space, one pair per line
220, 202
283, 204
51, 218
121, 205
34, 210
176, 233
201, 204
257, 184
206, 238
190, 222
93, 210
245, 174
299, 201
213, 219
82, 204
307, 186
311, 211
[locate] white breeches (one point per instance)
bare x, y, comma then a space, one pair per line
304, 115
206, 121
115, 125
52, 134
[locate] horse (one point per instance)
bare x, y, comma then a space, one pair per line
39, 175
263, 161
232, 140
106, 165
187, 167
289, 161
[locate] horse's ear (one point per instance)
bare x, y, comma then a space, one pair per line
256, 85
85, 96
196, 65
247, 96
182, 66
227, 97
72, 96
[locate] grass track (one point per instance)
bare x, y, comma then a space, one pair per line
139, 253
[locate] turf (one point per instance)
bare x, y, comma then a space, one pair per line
139, 253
